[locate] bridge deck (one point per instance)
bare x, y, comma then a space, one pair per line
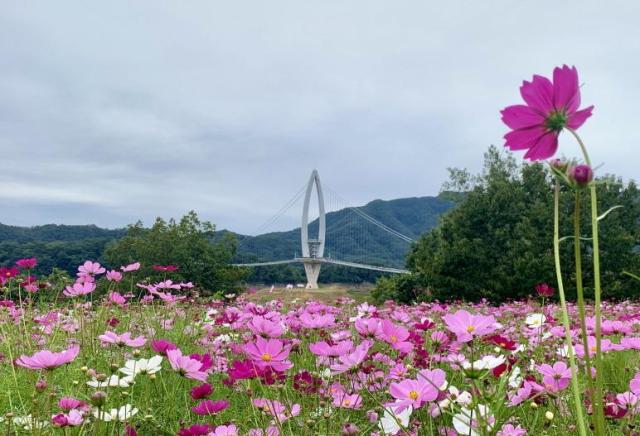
313, 260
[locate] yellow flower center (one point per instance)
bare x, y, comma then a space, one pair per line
393, 338
470, 328
413, 395
593, 349
266, 357
347, 402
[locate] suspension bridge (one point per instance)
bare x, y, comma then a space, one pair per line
370, 244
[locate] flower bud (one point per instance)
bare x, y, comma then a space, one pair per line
349, 429
581, 174
41, 385
372, 416
98, 398
549, 415
559, 165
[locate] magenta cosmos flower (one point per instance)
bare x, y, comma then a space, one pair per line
209, 407
467, 326
28, 263
46, 359
269, 353
550, 107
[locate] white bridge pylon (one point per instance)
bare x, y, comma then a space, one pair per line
313, 248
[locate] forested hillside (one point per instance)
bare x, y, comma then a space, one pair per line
349, 237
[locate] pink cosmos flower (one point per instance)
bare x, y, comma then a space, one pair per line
467, 326
28, 263
435, 377
347, 401
325, 351
276, 409
79, 288
634, 384
224, 430
550, 108
606, 345
510, 430
90, 269
412, 393
117, 299
555, 378
46, 359
131, 267
351, 360
396, 336
314, 321
368, 327
261, 326
186, 366
71, 419
110, 337
68, 403
114, 276
269, 353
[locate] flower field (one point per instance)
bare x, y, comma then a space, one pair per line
154, 359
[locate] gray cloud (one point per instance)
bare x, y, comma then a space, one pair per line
116, 111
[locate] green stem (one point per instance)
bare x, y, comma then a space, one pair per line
580, 290
565, 315
597, 404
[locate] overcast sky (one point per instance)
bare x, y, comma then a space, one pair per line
115, 111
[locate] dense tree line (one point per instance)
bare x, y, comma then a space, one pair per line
189, 245
497, 243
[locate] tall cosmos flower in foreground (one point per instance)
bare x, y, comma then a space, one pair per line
550, 107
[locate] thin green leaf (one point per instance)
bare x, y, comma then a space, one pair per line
631, 275
607, 212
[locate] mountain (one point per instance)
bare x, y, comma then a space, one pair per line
349, 237
58, 246
352, 237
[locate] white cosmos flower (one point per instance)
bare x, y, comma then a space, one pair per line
28, 423
535, 320
515, 379
467, 421
112, 381
142, 366
121, 414
462, 398
487, 362
389, 421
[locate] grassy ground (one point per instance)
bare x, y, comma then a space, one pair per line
326, 293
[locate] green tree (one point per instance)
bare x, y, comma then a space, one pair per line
189, 244
497, 243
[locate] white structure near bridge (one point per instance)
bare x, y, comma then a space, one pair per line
313, 247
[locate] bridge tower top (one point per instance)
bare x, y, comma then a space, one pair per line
313, 247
